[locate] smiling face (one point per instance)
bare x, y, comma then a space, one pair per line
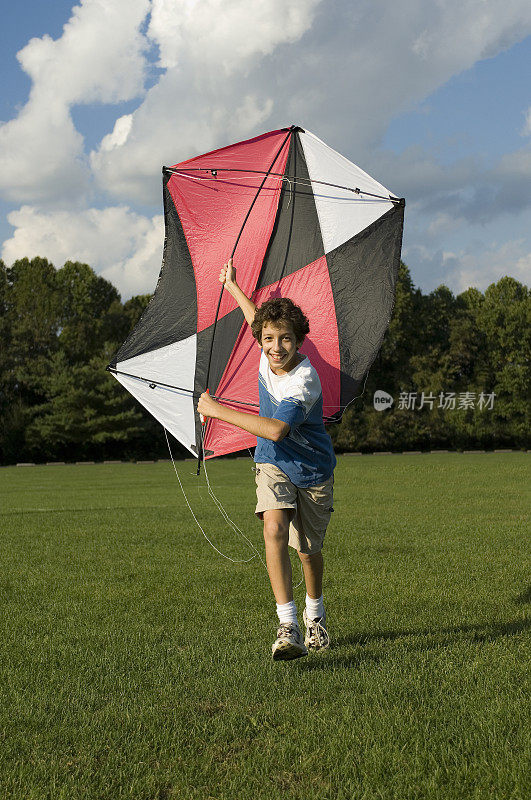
280, 346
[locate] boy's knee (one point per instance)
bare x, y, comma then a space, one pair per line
275, 531
310, 558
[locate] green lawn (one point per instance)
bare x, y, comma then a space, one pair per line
135, 661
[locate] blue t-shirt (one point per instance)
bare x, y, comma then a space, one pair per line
306, 454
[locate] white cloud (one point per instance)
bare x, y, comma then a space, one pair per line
163, 133
481, 268
231, 69
342, 69
98, 58
517, 163
225, 34
41, 154
465, 191
443, 223
420, 176
207, 96
123, 246
478, 264
119, 135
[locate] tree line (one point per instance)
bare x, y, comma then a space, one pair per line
454, 370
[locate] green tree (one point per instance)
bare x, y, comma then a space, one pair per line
30, 324
59, 329
438, 344
90, 311
86, 414
505, 320
135, 307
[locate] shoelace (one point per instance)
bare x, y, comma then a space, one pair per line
287, 628
317, 634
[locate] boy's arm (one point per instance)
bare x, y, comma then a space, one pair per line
227, 277
265, 427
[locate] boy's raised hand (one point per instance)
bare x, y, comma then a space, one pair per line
227, 277
228, 273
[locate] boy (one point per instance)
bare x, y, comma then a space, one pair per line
294, 463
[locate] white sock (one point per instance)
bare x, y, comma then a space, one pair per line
314, 608
287, 612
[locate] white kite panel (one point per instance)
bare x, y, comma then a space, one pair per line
341, 213
173, 408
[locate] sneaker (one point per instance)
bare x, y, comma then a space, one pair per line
316, 637
288, 643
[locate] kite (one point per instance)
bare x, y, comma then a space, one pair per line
302, 222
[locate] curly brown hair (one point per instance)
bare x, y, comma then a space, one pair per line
280, 310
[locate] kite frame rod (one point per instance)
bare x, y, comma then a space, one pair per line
180, 388
328, 418
280, 149
236, 245
390, 198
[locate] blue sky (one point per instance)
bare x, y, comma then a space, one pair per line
481, 111
432, 99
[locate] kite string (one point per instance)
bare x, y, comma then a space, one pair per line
343, 408
183, 172
290, 190
234, 560
221, 509
295, 181
225, 515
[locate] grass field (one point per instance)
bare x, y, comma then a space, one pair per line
135, 661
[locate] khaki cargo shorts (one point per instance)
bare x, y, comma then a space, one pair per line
310, 508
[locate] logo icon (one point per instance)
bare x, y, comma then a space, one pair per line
382, 400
